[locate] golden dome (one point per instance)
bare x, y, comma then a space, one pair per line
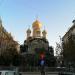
36, 24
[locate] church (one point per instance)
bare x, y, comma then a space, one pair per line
38, 38
36, 47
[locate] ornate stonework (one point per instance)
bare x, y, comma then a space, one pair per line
36, 31
36, 44
36, 40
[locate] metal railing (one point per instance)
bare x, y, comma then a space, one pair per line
7, 68
38, 69
46, 69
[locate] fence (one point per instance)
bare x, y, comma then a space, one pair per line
38, 69
46, 69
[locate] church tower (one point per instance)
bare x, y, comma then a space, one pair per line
28, 33
44, 34
36, 29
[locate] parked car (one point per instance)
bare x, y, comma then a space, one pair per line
7, 72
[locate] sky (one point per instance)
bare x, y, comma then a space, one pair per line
55, 15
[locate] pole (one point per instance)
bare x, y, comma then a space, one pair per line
42, 70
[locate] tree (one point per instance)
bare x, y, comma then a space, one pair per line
8, 56
49, 58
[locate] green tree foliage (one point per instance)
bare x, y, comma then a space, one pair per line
9, 56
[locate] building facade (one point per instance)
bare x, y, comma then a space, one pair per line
68, 45
70, 32
6, 39
36, 44
37, 39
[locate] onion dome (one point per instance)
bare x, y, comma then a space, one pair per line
28, 30
36, 24
44, 32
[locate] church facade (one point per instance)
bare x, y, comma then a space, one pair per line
38, 38
36, 44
